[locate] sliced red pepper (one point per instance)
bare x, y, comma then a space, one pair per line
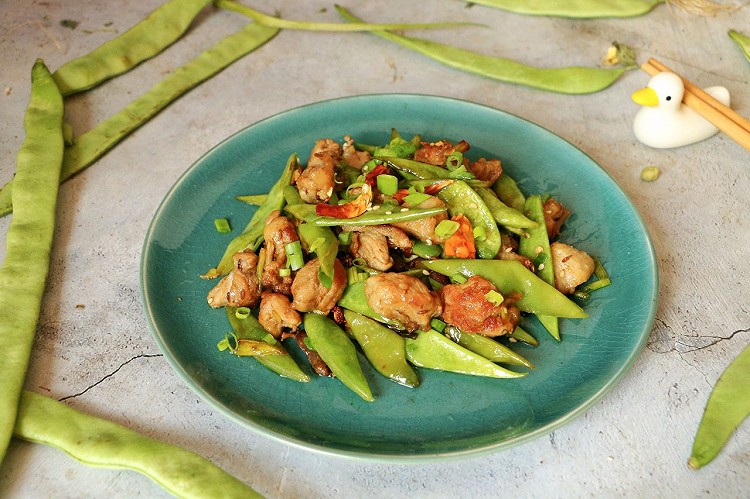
353, 208
437, 186
461, 243
371, 177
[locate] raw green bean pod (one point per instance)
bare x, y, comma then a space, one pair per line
511, 275
384, 348
151, 36
486, 347
23, 272
248, 328
462, 199
277, 22
727, 406
536, 247
338, 352
742, 41
504, 215
582, 9
565, 80
432, 350
252, 236
508, 192
98, 442
96, 142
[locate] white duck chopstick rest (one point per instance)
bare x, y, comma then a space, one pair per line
664, 121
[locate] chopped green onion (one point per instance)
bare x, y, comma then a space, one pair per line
242, 312
479, 233
454, 160
387, 184
446, 228
458, 278
602, 281
345, 238
461, 173
494, 297
416, 198
437, 325
353, 275
294, 257
425, 250
285, 272
325, 279
222, 225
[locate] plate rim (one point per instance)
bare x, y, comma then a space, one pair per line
364, 455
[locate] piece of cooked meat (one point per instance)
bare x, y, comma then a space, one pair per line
555, 215
424, 228
277, 232
276, 314
310, 295
241, 287
435, 153
402, 298
488, 170
352, 156
572, 267
316, 182
466, 306
372, 243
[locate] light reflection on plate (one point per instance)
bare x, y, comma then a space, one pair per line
448, 416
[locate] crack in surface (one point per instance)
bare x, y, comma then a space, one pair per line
140, 356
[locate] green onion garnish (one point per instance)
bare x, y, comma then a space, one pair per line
294, 257
479, 233
446, 228
242, 312
437, 325
494, 297
387, 184
222, 225
424, 250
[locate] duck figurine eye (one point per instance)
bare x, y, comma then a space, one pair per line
664, 121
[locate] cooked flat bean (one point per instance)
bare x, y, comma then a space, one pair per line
432, 350
338, 352
727, 406
103, 443
566, 80
385, 349
504, 215
95, 143
486, 347
29, 240
510, 275
508, 192
575, 8
152, 35
742, 41
377, 216
536, 247
462, 199
321, 241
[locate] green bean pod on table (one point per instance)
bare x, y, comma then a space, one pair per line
374, 262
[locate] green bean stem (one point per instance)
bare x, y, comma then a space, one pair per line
277, 22
582, 9
742, 41
103, 443
149, 37
23, 273
565, 80
95, 143
727, 406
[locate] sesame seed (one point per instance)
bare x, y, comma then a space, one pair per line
404, 209
541, 266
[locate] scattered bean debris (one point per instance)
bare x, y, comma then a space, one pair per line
69, 23
650, 173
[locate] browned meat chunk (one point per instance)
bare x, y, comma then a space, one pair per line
572, 267
402, 298
372, 242
486, 169
352, 156
466, 306
424, 228
241, 287
555, 215
277, 232
309, 295
435, 153
316, 182
276, 314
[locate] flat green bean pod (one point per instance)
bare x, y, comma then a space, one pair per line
565, 80
152, 35
583, 9
462, 199
727, 406
742, 41
95, 143
98, 442
377, 216
29, 240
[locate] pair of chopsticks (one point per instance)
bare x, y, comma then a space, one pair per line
725, 119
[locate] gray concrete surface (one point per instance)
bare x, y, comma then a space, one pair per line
94, 347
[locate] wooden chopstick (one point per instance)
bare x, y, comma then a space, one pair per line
725, 119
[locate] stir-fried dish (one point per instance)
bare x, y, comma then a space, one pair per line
408, 252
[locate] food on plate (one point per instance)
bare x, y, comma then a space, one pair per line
408, 253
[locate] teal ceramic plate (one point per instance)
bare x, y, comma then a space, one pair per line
449, 415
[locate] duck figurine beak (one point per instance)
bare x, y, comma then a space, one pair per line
646, 97
665, 121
